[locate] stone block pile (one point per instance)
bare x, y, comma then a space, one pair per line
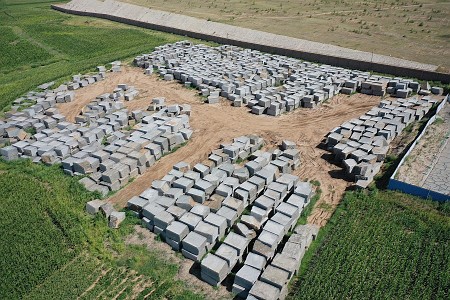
265, 83
361, 145
36, 110
114, 217
268, 280
107, 144
230, 212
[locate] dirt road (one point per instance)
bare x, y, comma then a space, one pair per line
220, 123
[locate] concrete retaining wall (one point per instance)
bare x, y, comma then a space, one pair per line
411, 189
248, 38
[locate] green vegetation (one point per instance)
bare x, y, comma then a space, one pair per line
51, 249
307, 211
38, 45
379, 245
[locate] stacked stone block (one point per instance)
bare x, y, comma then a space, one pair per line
195, 208
361, 145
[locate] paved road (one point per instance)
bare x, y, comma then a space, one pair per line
439, 178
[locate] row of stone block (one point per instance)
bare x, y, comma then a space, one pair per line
33, 111
284, 216
362, 144
258, 279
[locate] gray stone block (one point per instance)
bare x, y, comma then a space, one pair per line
229, 254
176, 211
150, 194
237, 241
163, 219
93, 207
174, 193
243, 230
202, 169
256, 261
197, 195
288, 210
251, 222
207, 230
213, 267
194, 243
107, 209
177, 231
264, 291
200, 210
275, 277
218, 221
205, 186
229, 214
116, 218
150, 210
183, 183
247, 276
186, 202
190, 220
286, 263
235, 204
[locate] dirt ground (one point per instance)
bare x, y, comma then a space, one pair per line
416, 30
220, 123
418, 164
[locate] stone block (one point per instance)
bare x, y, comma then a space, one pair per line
201, 211
186, 202
207, 230
237, 241
194, 243
264, 291
93, 207
163, 219
229, 254
255, 261
218, 221
213, 267
176, 211
275, 277
191, 220
229, 214
197, 195
183, 183
177, 231
116, 218
285, 263
247, 276
150, 210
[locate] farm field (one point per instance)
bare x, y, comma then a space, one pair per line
410, 29
380, 245
39, 45
51, 249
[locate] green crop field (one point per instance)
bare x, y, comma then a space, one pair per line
38, 45
380, 245
51, 249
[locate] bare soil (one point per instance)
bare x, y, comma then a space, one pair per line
420, 161
220, 123
416, 30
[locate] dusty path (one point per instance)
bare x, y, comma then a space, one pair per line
220, 123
